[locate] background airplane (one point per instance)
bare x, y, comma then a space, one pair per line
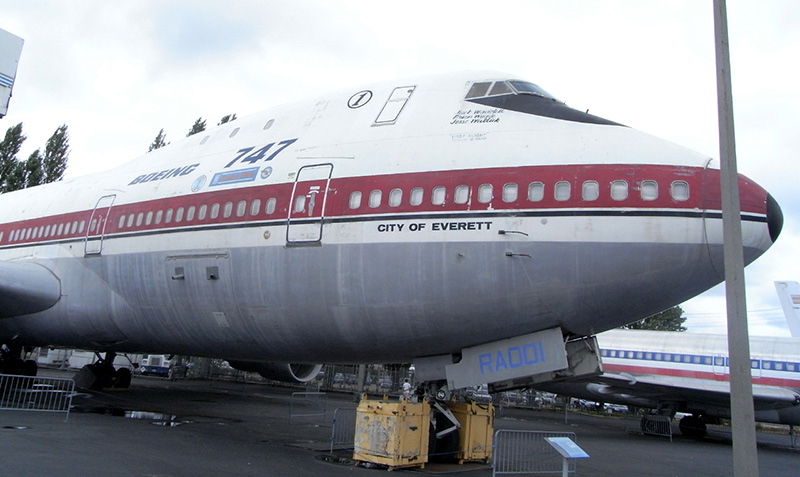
671, 372
412, 220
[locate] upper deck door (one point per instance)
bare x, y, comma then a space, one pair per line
307, 209
97, 225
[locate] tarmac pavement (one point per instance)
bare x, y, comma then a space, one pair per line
203, 428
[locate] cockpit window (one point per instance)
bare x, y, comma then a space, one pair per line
523, 87
478, 90
500, 87
497, 88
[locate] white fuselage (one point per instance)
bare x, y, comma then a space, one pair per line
380, 224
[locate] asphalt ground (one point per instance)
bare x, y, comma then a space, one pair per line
212, 428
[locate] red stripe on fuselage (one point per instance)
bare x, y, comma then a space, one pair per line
340, 190
697, 374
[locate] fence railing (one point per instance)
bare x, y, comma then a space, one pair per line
527, 452
657, 425
307, 404
344, 428
30, 393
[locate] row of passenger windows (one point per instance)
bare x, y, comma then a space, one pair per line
697, 359
202, 212
562, 191
46, 231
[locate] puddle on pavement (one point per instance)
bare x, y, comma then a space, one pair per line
155, 418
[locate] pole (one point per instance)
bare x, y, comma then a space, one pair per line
745, 455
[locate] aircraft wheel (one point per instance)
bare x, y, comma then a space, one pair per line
30, 368
692, 426
123, 378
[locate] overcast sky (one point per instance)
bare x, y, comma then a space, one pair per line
117, 72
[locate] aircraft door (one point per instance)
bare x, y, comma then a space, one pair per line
97, 225
307, 208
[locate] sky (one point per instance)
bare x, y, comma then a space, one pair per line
118, 72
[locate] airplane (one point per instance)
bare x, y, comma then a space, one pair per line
432, 220
789, 296
671, 372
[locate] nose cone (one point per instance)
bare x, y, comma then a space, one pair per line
774, 218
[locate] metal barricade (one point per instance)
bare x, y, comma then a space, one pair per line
30, 393
343, 432
307, 404
657, 425
527, 452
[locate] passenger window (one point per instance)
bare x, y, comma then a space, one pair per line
228, 210
510, 192
271, 203
130, 219
562, 191
214, 211
92, 225
591, 191
395, 197
619, 190
375, 198
255, 206
680, 191
61, 227
485, 193
201, 214
535, 191
81, 226
190, 213
46, 231
139, 219
355, 200
241, 208
121, 222
461, 194
179, 215
649, 190
416, 196
438, 195
159, 216
168, 216
148, 219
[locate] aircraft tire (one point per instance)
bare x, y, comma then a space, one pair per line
123, 378
692, 426
30, 368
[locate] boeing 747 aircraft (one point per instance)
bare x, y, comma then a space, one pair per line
469, 222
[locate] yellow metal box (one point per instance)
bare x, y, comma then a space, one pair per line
477, 431
392, 433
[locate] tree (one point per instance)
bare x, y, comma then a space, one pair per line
9, 148
227, 118
199, 126
33, 170
670, 319
159, 142
54, 160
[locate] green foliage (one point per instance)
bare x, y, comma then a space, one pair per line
671, 319
227, 118
199, 126
159, 142
56, 154
34, 173
9, 148
38, 168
